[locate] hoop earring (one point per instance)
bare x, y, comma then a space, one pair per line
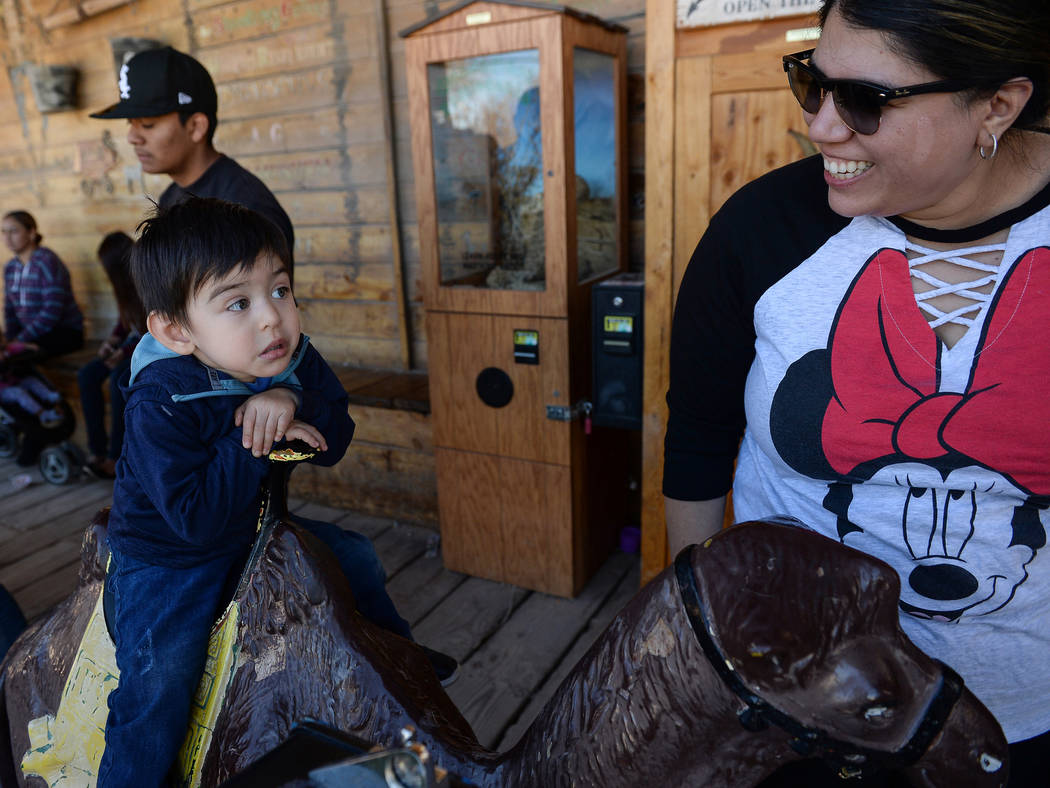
995, 149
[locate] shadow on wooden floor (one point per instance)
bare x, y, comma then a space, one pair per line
515, 646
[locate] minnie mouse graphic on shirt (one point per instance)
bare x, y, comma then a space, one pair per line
951, 487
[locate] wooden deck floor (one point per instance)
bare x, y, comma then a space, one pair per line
514, 645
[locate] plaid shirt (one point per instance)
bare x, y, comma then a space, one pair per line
38, 297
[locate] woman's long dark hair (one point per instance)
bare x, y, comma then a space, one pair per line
115, 253
984, 43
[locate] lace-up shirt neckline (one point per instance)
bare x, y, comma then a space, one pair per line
953, 283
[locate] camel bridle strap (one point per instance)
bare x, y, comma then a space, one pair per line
758, 714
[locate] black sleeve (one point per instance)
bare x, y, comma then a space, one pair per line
712, 345
762, 232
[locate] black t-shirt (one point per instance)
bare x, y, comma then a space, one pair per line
227, 180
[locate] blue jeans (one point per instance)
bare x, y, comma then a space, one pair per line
162, 619
365, 574
90, 379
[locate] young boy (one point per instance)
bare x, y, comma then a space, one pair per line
223, 373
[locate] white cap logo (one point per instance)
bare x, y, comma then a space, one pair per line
125, 89
184, 99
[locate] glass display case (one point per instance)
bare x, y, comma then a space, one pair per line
595, 143
518, 126
488, 170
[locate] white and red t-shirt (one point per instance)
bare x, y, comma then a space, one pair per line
804, 326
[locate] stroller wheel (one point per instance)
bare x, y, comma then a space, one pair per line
8, 441
75, 454
55, 465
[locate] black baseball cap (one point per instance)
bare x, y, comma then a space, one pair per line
158, 81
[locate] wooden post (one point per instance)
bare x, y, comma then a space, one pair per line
659, 255
397, 260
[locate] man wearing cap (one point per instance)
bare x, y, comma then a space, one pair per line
170, 103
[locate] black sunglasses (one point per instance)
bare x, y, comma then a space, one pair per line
859, 104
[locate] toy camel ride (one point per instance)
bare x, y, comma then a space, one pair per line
766, 644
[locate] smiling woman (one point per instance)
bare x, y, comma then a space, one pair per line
874, 345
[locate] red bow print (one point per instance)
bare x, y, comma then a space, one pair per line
884, 369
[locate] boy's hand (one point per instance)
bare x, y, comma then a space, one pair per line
266, 418
300, 430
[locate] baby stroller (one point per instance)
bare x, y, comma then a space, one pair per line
35, 421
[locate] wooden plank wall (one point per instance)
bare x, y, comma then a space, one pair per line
720, 115
300, 104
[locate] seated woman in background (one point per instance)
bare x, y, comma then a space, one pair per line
40, 313
114, 358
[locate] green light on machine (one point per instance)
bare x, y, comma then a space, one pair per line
619, 324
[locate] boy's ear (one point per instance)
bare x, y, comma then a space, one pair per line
170, 334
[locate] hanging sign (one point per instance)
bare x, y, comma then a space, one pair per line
697, 13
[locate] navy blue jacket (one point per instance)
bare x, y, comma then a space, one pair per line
186, 489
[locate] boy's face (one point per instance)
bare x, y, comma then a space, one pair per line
245, 324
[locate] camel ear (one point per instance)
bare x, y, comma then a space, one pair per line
170, 334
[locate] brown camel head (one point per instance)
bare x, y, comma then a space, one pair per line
806, 631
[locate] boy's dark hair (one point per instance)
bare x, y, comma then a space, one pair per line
182, 247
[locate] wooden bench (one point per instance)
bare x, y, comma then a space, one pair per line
389, 469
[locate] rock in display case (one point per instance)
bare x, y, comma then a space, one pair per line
518, 141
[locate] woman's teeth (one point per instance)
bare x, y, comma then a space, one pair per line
844, 170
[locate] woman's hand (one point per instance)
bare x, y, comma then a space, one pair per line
17, 348
116, 355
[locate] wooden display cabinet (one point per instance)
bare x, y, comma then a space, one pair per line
518, 140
